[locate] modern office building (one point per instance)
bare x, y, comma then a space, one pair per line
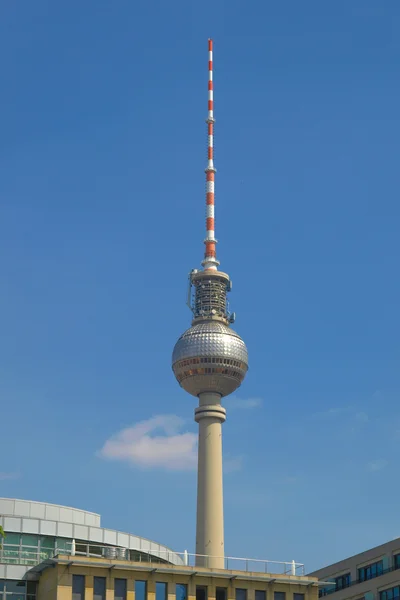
370, 575
36, 531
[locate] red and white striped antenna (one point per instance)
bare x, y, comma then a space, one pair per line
210, 258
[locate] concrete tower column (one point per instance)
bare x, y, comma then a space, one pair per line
210, 508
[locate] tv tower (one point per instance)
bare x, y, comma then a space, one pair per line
210, 361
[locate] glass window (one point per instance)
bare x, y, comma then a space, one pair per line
78, 587
181, 591
370, 571
161, 590
260, 595
220, 593
396, 561
12, 539
47, 542
99, 588
241, 594
63, 545
140, 590
30, 540
390, 594
298, 596
119, 589
15, 590
279, 595
31, 590
201, 592
17, 587
343, 581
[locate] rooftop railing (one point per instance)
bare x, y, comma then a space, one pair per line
32, 556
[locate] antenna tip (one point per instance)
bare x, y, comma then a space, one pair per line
210, 44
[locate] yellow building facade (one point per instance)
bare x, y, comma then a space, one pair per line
85, 578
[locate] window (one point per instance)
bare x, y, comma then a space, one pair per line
15, 590
260, 595
298, 596
241, 594
140, 590
201, 592
370, 571
181, 591
279, 595
220, 593
391, 594
12, 539
99, 588
396, 561
343, 581
30, 540
119, 589
31, 590
161, 591
78, 587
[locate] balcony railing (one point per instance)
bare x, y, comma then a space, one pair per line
25, 556
328, 591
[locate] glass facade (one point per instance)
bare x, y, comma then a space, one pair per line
140, 590
30, 549
391, 594
370, 571
161, 590
17, 590
120, 589
181, 591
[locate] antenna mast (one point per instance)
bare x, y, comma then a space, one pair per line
210, 259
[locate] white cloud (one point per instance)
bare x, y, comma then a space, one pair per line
156, 442
6, 476
377, 465
240, 403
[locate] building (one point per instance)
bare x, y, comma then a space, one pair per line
370, 575
55, 552
68, 577
36, 531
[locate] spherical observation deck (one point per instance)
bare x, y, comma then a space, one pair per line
210, 357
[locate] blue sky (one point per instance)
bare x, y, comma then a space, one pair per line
102, 157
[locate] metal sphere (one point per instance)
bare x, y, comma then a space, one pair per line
210, 357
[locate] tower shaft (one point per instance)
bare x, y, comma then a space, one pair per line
210, 510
